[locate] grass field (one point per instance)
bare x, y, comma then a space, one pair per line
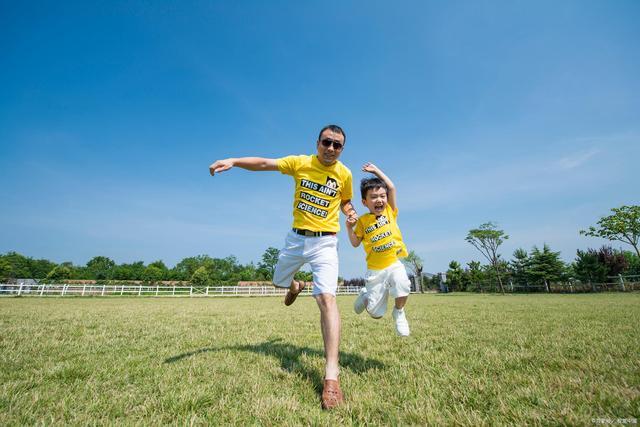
471, 359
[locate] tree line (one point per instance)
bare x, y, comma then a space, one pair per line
201, 270
535, 268
539, 268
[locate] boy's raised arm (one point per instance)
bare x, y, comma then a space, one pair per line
248, 163
391, 189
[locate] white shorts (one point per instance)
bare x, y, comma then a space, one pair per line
393, 281
321, 253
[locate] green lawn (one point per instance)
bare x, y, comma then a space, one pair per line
471, 359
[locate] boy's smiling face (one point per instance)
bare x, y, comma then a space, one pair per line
376, 200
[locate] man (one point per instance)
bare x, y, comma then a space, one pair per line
323, 186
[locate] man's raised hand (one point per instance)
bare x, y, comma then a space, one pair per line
220, 166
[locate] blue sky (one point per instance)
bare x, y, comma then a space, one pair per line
522, 113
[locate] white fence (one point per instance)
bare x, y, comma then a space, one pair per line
62, 290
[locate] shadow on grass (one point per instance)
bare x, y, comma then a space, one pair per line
289, 356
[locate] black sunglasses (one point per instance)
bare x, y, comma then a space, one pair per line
337, 145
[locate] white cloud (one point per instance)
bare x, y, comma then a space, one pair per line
469, 184
576, 159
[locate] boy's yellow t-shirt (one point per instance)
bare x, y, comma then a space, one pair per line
381, 238
319, 191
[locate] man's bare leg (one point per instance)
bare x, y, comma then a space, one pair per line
330, 325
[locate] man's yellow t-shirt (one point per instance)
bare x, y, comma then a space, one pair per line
381, 238
319, 191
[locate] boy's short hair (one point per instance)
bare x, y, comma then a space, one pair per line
371, 184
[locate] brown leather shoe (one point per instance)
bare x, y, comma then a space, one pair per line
290, 298
331, 394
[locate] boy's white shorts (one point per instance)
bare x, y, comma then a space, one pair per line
393, 281
321, 253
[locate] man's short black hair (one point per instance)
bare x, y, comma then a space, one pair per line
333, 128
371, 184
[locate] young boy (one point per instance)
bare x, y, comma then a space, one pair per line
379, 233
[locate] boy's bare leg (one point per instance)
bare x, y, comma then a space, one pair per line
400, 302
330, 325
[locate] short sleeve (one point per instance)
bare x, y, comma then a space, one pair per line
393, 212
347, 191
288, 165
359, 230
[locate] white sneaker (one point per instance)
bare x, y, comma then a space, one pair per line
402, 326
359, 305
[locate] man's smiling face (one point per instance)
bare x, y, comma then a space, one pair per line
328, 155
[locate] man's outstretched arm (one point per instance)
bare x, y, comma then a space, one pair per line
248, 163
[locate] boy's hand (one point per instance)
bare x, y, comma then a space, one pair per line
220, 166
370, 167
351, 221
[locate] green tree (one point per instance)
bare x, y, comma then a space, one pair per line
201, 277
519, 266
456, 277
58, 273
633, 261
269, 261
152, 274
5, 269
39, 268
133, 271
100, 267
305, 276
487, 239
475, 275
415, 265
587, 267
20, 268
160, 266
76, 271
224, 270
623, 226
433, 282
546, 266
184, 269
